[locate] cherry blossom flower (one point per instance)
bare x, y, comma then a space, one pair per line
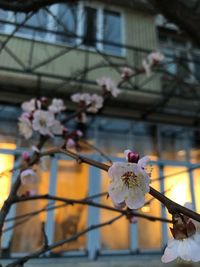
185, 243
129, 183
96, 103
81, 98
186, 249
57, 105
127, 72
79, 133
152, 59
109, 86
28, 176
147, 67
155, 57
45, 123
30, 106
56, 128
70, 143
25, 127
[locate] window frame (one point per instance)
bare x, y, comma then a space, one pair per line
51, 37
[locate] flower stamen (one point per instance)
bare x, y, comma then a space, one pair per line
130, 179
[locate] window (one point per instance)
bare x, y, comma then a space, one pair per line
71, 24
181, 58
35, 26
3, 17
67, 23
90, 26
112, 32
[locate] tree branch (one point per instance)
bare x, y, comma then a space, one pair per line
180, 15
36, 254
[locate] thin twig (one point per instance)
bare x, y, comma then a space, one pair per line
70, 201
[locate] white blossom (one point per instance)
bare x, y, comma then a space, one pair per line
187, 249
84, 97
129, 183
96, 103
45, 123
127, 72
70, 143
25, 127
57, 105
153, 58
30, 106
56, 128
147, 67
108, 84
28, 176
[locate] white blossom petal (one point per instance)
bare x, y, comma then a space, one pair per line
28, 176
171, 251
135, 199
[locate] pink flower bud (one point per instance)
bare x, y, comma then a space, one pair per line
26, 156
133, 157
133, 219
79, 133
70, 143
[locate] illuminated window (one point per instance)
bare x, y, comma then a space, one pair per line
72, 182
109, 240
6, 164
145, 227
28, 237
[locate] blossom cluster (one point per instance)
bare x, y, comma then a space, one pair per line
40, 117
109, 86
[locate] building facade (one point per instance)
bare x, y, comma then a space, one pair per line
63, 49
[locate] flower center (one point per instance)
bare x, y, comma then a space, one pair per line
130, 179
43, 122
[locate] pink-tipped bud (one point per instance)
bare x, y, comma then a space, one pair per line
133, 157
26, 156
65, 130
70, 143
133, 219
79, 133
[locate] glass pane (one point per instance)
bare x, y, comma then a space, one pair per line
112, 31
38, 20
27, 236
67, 16
174, 143
196, 175
72, 182
89, 35
110, 240
145, 227
3, 17
177, 185
6, 164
